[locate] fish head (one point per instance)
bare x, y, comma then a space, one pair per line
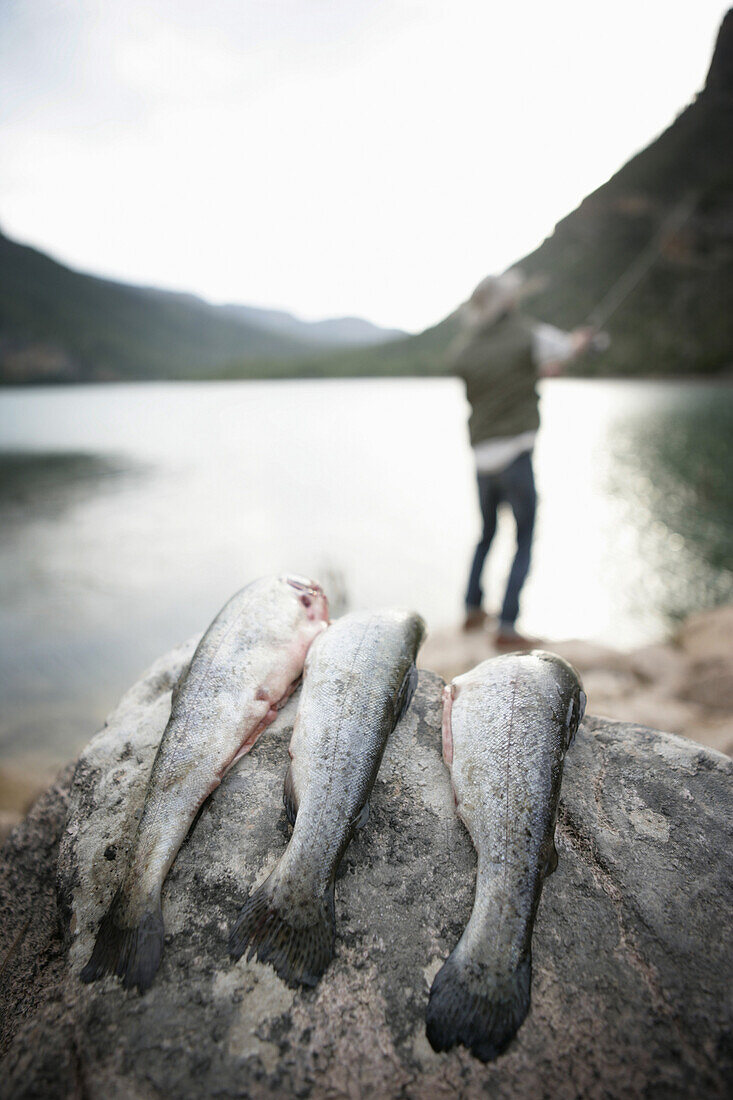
311, 596
570, 688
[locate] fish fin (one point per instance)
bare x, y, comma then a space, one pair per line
446, 728
294, 685
582, 704
362, 817
575, 713
405, 694
300, 949
176, 690
198, 815
132, 953
483, 1015
290, 799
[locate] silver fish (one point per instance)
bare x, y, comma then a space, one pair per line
245, 667
506, 727
358, 681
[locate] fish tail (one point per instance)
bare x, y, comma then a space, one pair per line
297, 939
132, 951
484, 1016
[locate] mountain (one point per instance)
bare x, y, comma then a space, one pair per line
660, 231
656, 239
59, 325
334, 331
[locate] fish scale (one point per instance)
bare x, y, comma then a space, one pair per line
245, 666
506, 727
357, 682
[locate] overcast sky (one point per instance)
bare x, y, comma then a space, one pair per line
370, 157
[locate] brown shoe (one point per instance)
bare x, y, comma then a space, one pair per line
509, 638
476, 619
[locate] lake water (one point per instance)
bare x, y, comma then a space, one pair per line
129, 514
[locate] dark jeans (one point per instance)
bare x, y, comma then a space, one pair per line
515, 487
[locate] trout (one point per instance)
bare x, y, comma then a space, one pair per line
506, 727
246, 666
358, 681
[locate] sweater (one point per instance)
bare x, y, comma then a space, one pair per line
497, 364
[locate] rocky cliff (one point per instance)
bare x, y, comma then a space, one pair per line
654, 244
669, 210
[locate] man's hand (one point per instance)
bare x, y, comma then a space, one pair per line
583, 338
551, 369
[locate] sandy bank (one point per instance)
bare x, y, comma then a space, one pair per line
684, 686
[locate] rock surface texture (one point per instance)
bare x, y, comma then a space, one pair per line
631, 957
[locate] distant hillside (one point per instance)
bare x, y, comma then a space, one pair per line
412, 355
58, 325
679, 318
672, 203
676, 196
333, 332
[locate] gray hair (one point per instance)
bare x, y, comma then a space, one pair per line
493, 296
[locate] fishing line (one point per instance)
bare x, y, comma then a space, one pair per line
635, 272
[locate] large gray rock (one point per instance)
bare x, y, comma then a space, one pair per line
631, 951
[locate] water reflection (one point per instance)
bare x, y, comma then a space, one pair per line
43, 484
129, 514
53, 676
672, 473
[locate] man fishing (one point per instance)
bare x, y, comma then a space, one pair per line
500, 356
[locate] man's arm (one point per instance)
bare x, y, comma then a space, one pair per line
553, 349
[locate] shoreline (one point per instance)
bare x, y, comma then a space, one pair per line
683, 686
724, 377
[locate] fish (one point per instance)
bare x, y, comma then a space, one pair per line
358, 681
507, 725
245, 667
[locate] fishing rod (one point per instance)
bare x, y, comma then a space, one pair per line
635, 272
